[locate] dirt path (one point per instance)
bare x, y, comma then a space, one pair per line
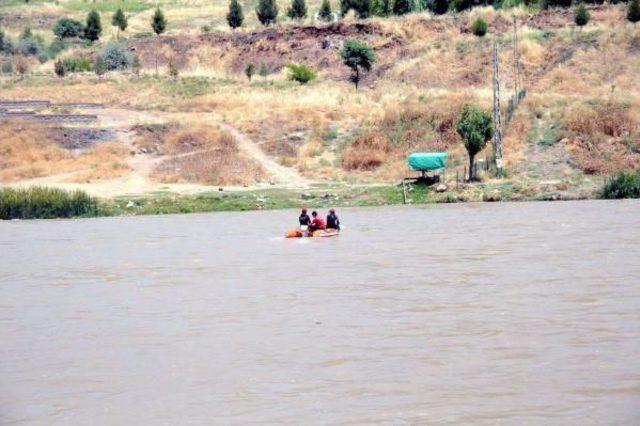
139, 179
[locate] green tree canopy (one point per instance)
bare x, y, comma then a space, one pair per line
267, 12
402, 7
158, 22
325, 13
93, 28
475, 127
235, 17
357, 55
119, 20
68, 28
362, 8
298, 9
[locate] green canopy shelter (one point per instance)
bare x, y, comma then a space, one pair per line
428, 161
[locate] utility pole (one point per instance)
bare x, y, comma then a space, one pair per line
497, 131
516, 68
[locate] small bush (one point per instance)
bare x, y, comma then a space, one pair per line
582, 16
68, 28
479, 27
58, 68
7, 67
45, 203
623, 185
116, 57
300, 73
76, 64
249, 71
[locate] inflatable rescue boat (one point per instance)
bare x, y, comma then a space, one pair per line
302, 232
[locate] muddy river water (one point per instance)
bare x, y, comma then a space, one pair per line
524, 313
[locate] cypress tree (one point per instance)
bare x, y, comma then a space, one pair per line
633, 14
439, 7
325, 13
235, 17
158, 22
381, 7
402, 7
120, 21
298, 9
267, 12
93, 29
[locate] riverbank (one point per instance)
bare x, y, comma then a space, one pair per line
338, 195
342, 196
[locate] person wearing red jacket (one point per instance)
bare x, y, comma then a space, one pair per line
316, 222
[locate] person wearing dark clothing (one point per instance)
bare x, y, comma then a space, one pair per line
332, 220
304, 218
317, 222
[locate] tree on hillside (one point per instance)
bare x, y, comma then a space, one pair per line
298, 9
235, 17
119, 21
68, 28
402, 7
158, 22
159, 25
325, 13
475, 128
381, 7
357, 55
582, 16
267, 12
362, 8
633, 14
439, 7
93, 28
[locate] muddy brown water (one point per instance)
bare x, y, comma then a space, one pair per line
525, 313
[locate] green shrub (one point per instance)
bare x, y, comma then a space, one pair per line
402, 7
68, 28
479, 27
582, 16
7, 67
76, 64
57, 46
45, 203
249, 70
116, 56
58, 68
300, 73
623, 185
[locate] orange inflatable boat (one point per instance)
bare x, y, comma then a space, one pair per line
301, 233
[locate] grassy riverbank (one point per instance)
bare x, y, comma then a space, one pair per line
50, 203
325, 197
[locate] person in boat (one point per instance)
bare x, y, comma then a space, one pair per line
332, 220
304, 218
316, 222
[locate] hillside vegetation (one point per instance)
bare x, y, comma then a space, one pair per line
578, 122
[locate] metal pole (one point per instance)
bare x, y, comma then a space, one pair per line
497, 131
